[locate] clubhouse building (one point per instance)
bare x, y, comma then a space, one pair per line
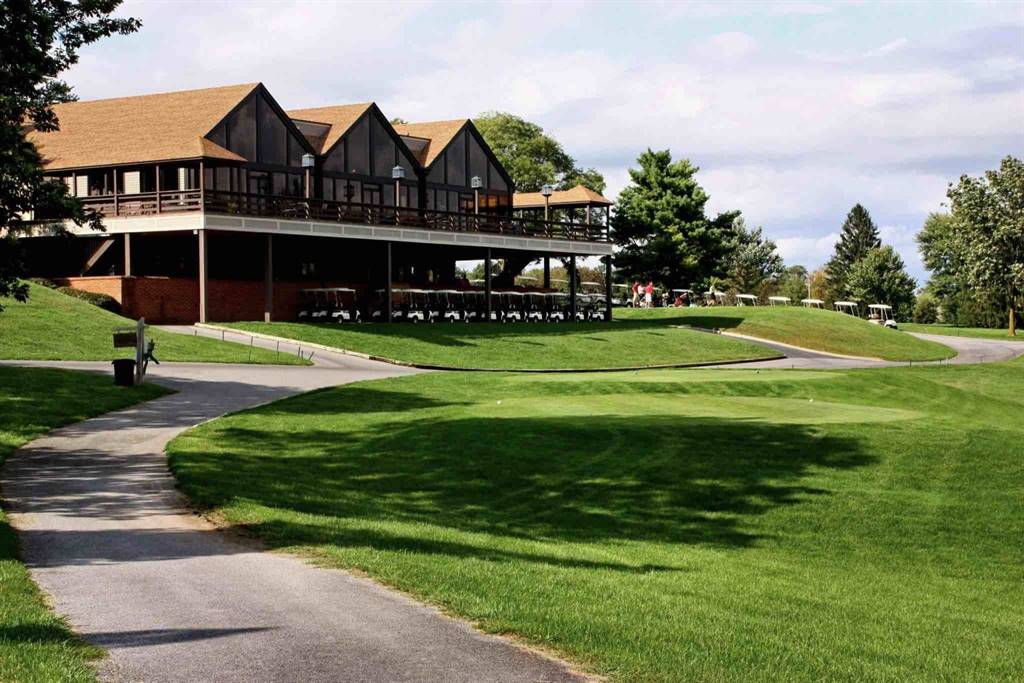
221, 206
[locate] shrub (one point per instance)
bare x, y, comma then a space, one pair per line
104, 301
926, 309
43, 282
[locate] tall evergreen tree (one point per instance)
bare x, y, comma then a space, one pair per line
880, 277
858, 237
754, 259
661, 229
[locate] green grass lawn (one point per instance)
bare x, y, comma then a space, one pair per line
53, 326
954, 331
35, 644
696, 525
807, 327
523, 346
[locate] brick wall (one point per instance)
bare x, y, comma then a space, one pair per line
109, 285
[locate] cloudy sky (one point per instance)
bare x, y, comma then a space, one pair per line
794, 111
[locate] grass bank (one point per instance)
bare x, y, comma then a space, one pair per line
35, 644
807, 327
702, 525
53, 326
572, 346
954, 331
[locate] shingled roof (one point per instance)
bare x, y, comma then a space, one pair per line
339, 117
439, 133
145, 128
576, 196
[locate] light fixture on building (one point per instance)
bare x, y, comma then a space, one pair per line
308, 161
397, 173
476, 182
547, 190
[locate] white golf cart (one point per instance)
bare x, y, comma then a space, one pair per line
687, 296
343, 306
535, 307
713, 297
849, 307
881, 314
557, 304
746, 299
453, 309
812, 303
779, 301
513, 305
415, 305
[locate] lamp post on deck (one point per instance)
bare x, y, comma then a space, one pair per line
308, 161
546, 191
398, 173
476, 182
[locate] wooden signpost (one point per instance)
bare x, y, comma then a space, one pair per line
126, 338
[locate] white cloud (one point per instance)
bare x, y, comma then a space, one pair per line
810, 252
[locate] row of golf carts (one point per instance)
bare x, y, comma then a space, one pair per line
341, 305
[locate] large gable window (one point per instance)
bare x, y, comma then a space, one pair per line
273, 135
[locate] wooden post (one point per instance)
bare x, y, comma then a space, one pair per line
202, 275
487, 283
547, 272
158, 206
387, 283
202, 186
116, 202
572, 287
268, 282
127, 254
140, 348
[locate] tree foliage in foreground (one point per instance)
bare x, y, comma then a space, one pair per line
39, 39
881, 277
661, 227
532, 157
987, 246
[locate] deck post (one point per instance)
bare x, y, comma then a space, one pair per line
127, 254
387, 282
572, 287
547, 272
608, 288
268, 281
203, 258
116, 202
487, 283
158, 207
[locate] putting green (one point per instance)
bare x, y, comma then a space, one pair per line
683, 376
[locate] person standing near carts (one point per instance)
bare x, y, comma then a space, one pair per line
649, 295
636, 294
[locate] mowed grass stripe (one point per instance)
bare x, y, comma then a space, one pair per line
664, 525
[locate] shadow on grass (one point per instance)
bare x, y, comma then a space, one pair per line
584, 478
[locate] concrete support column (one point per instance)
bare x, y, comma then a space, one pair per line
387, 282
268, 281
572, 287
127, 254
202, 275
487, 284
547, 272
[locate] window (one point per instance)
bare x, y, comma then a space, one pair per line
496, 182
437, 171
455, 160
273, 135
358, 148
222, 178
259, 182
131, 182
371, 194
477, 159
278, 186
383, 151
353, 191
328, 189
241, 130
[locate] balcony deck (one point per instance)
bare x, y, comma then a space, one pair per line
442, 226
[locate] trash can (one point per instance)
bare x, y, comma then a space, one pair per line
124, 372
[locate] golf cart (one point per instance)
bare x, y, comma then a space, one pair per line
779, 301
812, 303
557, 307
378, 312
714, 298
535, 307
746, 300
513, 305
849, 307
881, 314
307, 304
318, 307
342, 301
453, 307
416, 306
598, 308
685, 297
620, 295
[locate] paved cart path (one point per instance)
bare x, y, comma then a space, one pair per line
107, 536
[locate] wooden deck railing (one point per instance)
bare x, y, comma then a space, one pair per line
237, 203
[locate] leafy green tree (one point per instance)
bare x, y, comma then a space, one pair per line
988, 241
754, 260
39, 39
793, 283
532, 157
661, 229
937, 244
926, 309
881, 277
859, 235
